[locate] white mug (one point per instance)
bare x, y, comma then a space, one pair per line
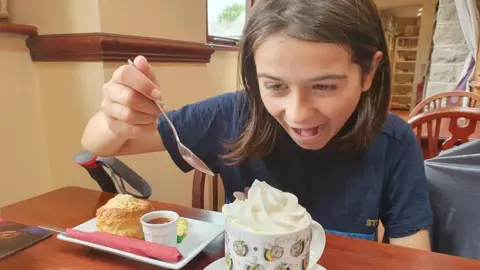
246, 249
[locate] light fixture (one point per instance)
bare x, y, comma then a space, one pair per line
419, 14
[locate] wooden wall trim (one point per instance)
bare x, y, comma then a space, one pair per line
19, 29
115, 47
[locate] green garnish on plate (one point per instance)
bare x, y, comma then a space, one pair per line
182, 229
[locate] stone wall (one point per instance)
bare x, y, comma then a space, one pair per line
449, 52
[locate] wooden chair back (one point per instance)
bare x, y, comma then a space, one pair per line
198, 190
447, 100
445, 128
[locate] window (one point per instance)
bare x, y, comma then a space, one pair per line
225, 20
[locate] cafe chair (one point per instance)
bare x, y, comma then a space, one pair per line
454, 184
198, 191
445, 128
114, 176
447, 100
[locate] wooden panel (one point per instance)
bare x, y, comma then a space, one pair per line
20, 29
114, 47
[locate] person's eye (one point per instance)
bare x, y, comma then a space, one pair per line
275, 87
325, 87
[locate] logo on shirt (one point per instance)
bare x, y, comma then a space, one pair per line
372, 223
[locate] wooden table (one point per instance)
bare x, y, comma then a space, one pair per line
70, 206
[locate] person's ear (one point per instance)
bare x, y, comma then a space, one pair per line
376, 60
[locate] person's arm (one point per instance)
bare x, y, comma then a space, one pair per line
405, 206
203, 127
419, 240
99, 140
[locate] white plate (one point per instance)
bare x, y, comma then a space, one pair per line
200, 234
220, 265
317, 248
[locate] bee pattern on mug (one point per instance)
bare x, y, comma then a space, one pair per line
273, 253
254, 266
308, 240
305, 262
297, 248
228, 261
283, 266
240, 247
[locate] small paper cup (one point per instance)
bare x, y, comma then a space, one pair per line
164, 233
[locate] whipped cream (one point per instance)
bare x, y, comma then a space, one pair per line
267, 209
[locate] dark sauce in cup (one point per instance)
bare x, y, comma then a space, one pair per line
160, 220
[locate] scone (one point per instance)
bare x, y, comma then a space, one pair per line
121, 216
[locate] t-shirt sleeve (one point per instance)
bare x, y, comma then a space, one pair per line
202, 127
405, 207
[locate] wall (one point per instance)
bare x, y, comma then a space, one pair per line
69, 91
24, 162
64, 95
70, 94
179, 19
424, 43
449, 52
56, 16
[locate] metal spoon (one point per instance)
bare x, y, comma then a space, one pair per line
186, 153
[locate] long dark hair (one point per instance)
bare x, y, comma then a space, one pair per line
356, 25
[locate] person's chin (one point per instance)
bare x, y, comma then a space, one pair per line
312, 146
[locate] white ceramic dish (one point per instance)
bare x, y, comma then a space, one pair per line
317, 248
200, 234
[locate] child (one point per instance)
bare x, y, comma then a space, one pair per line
312, 119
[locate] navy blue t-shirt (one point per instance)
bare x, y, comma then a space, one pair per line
347, 193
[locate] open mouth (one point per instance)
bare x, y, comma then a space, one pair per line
308, 132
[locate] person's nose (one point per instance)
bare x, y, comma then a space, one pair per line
299, 108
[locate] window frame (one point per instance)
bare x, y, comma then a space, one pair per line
222, 42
